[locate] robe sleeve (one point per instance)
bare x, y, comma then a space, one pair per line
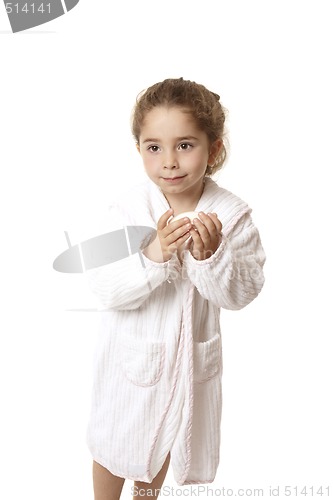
233, 276
126, 284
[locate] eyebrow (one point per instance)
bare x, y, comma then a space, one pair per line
178, 139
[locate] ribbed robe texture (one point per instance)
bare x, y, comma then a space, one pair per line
158, 363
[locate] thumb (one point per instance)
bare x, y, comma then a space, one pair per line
164, 219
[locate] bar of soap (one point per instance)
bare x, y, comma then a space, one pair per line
190, 215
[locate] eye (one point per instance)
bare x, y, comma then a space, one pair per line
153, 149
185, 146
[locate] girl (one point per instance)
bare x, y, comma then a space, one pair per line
157, 389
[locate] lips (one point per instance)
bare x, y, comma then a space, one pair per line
173, 178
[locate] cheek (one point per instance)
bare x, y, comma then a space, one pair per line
150, 161
199, 160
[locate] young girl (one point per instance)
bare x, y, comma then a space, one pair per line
157, 389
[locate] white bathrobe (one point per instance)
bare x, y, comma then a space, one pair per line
158, 365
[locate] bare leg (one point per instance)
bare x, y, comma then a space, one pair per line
152, 489
106, 485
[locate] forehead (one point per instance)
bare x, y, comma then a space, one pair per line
171, 121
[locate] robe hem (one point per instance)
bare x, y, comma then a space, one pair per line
117, 474
144, 479
207, 481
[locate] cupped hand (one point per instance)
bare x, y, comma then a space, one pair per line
169, 237
206, 237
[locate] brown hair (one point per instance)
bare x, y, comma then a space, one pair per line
204, 105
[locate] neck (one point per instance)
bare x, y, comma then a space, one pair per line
187, 203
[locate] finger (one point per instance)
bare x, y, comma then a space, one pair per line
189, 242
178, 224
183, 238
217, 222
197, 241
202, 230
164, 219
179, 242
208, 222
178, 232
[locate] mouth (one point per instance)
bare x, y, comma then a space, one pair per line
173, 179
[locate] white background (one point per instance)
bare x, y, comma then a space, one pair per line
66, 91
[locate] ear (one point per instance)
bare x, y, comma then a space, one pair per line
214, 151
138, 147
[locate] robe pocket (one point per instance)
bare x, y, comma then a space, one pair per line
142, 362
207, 358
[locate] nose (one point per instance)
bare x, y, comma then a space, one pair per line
170, 160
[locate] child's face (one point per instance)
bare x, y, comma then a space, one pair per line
175, 152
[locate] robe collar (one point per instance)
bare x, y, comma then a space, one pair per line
204, 203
